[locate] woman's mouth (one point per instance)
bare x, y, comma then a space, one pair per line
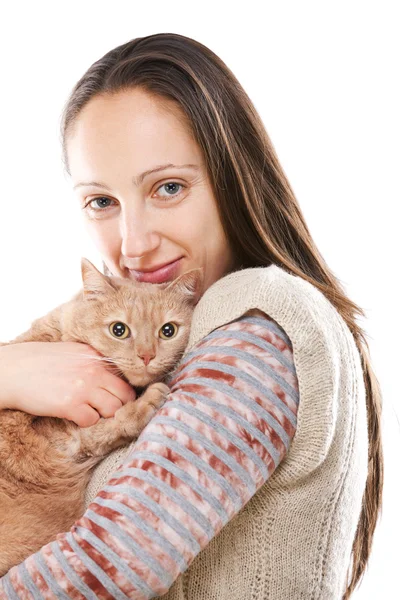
160, 275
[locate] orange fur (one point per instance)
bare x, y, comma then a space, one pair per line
45, 462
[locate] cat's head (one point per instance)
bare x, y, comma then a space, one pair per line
143, 328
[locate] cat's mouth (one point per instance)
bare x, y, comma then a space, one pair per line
140, 380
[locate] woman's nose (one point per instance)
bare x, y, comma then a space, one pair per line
138, 237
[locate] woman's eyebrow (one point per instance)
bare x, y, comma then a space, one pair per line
138, 179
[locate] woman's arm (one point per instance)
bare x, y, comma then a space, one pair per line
223, 430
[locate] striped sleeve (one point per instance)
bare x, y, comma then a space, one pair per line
223, 430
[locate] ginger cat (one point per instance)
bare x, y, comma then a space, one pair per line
46, 462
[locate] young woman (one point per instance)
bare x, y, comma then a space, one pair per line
265, 464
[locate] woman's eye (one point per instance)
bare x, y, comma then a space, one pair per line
102, 200
119, 330
102, 203
170, 187
168, 331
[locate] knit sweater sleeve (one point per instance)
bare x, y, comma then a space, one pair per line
223, 430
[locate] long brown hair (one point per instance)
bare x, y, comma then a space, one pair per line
258, 209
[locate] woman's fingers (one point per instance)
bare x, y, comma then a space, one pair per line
83, 415
104, 402
117, 387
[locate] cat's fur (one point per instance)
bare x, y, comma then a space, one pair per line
46, 462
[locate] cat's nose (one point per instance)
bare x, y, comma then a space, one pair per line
146, 357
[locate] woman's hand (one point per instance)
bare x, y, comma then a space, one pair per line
60, 379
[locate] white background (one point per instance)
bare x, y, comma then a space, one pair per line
323, 76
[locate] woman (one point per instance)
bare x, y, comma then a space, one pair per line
304, 470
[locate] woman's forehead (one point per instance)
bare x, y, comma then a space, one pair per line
128, 132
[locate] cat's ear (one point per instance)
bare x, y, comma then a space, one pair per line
94, 283
189, 284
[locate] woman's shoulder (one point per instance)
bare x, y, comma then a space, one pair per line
272, 280
296, 305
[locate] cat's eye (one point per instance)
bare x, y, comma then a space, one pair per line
119, 330
168, 331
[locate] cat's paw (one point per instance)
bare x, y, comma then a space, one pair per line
135, 415
158, 391
155, 395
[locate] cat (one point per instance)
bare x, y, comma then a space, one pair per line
46, 462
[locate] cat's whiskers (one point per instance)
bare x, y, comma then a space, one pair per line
125, 362
163, 367
114, 367
92, 359
90, 356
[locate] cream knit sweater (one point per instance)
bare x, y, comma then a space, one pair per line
293, 538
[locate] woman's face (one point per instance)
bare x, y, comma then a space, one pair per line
143, 221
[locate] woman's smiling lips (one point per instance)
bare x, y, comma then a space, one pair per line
159, 275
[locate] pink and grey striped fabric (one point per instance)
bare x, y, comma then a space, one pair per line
223, 430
